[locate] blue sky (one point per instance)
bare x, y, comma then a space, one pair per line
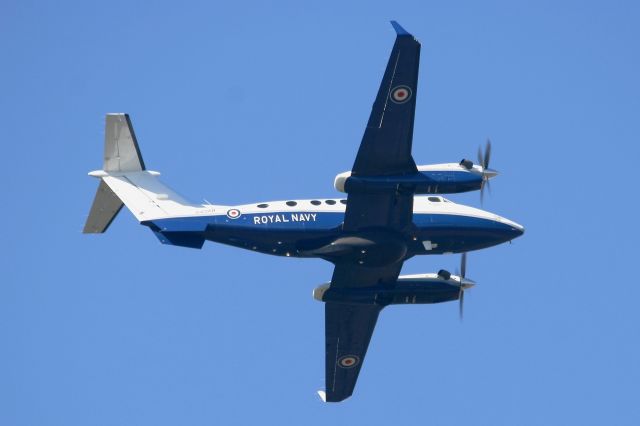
254, 101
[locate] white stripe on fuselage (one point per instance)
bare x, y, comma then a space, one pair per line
281, 212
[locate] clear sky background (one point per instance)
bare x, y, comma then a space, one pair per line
239, 102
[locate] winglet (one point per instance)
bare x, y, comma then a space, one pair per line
323, 395
399, 30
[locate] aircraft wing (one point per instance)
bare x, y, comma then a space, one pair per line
392, 209
386, 145
385, 150
348, 328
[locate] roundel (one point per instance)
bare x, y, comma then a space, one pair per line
348, 361
400, 94
233, 213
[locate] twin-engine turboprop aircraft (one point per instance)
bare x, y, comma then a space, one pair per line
367, 236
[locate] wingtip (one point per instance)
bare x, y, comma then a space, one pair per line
399, 30
323, 395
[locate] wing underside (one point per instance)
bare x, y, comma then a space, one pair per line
392, 209
386, 145
349, 327
348, 330
385, 150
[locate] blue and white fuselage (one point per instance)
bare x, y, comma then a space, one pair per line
299, 228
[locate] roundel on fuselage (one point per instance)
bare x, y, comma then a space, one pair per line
233, 213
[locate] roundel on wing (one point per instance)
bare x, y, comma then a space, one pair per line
348, 361
400, 94
233, 213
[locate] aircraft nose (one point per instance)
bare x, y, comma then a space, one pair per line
517, 231
520, 229
514, 229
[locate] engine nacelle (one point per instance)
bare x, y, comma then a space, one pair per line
409, 289
448, 178
339, 181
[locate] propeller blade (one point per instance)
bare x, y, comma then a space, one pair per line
487, 154
483, 161
463, 265
464, 284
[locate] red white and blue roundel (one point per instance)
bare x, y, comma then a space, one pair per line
233, 213
348, 361
400, 94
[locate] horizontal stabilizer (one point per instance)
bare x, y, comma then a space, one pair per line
105, 208
124, 180
148, 198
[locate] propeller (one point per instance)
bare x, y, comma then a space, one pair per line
487, 173
464, 284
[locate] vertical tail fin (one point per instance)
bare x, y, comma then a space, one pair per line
121, 150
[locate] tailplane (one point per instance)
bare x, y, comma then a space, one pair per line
124, 180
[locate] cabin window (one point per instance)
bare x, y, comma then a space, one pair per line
263, 206
434, 199
316, 202
291, 203
344, 202
330, 202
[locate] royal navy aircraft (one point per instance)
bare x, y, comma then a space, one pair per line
367, 236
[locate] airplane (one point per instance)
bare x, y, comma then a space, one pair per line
391, 213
